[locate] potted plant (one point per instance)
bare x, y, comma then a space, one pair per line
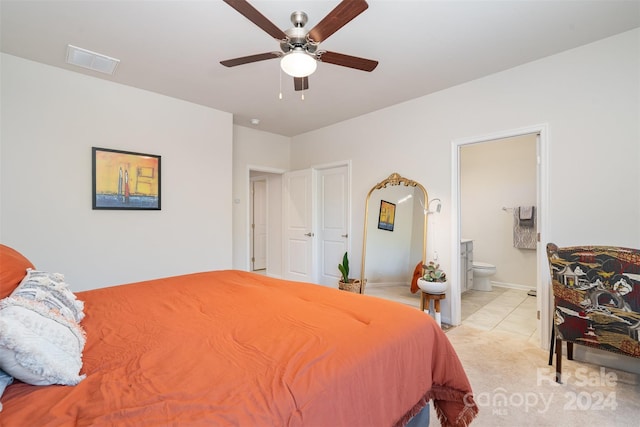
433, 280
345, 283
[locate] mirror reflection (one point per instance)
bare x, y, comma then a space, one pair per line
394, 238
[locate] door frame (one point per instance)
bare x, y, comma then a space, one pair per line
542, 200
249, 169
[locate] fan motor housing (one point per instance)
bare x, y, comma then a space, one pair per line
297, 35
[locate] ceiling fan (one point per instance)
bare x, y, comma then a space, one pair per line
299, 47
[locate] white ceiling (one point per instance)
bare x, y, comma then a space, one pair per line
175, 48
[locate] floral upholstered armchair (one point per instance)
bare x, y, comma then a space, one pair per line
596, 293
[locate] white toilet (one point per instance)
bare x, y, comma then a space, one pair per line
482, 271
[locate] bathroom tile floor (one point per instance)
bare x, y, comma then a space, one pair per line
502, 309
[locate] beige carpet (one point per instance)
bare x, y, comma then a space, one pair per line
514, 385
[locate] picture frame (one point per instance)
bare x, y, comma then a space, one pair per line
125, 180
387, 216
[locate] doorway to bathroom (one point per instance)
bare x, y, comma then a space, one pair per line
493, 176
497, 189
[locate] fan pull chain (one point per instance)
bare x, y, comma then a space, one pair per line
280, 94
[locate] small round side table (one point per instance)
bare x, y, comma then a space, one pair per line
425, 302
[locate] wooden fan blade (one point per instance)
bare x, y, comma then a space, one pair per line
301, 83
252, 14
250, 58
336, 19
348, 61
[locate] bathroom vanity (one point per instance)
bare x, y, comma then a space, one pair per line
466, 265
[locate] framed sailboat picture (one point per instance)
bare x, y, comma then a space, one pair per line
125, 180
387, 215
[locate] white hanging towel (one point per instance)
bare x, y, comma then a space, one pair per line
524, 228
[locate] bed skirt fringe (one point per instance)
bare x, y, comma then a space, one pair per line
443, 396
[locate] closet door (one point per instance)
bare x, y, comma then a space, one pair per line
299, 233
333, 222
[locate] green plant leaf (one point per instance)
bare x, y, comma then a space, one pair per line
345, 275
344, 268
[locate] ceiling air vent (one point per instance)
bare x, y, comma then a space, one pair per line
91, 60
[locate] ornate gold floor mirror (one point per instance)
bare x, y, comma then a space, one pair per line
395, 231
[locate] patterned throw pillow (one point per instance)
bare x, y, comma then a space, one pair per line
41, 340
50, 290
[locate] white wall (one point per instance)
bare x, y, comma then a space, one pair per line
493, 175
590, 99
50, 120
266, 152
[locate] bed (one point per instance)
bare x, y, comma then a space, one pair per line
233, 348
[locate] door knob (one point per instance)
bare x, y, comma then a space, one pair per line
345, 235
309, 234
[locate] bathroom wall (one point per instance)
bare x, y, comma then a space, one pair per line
494, 175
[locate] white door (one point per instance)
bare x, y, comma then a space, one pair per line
299, 232
259, 224
333, 223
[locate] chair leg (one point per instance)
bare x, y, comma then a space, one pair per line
569, 350
551, 344
558, 360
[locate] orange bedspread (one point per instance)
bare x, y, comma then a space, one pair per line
234, 348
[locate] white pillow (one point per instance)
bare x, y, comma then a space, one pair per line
41, 341
5, 380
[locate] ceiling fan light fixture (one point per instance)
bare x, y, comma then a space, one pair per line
298, 63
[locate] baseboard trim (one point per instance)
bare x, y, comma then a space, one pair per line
386, 284
513, 286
